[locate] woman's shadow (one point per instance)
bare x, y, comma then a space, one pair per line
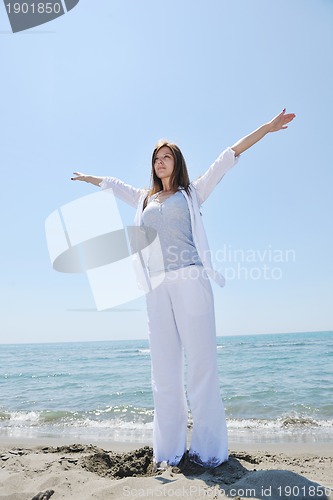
235, 481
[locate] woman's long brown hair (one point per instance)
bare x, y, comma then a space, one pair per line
179, 178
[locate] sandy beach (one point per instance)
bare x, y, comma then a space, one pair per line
49, 469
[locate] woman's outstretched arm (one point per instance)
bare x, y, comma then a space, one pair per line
91, 179
125, 192
279, 122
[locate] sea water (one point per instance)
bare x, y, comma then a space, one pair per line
274, 387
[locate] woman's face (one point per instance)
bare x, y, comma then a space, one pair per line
164, 163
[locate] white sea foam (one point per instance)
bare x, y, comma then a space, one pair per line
23, 425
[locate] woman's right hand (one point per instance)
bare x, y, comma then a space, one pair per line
79, 176
91, 179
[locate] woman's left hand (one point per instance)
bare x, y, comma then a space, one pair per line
280, 121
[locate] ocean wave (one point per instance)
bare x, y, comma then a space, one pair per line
119, 424
290, 423
275, 345
131, 417
130, 424
120, 416
299, 421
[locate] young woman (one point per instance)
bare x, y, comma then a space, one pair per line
181, 309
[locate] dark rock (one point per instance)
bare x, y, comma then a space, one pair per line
43, 495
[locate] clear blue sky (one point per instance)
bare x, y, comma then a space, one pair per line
95, 89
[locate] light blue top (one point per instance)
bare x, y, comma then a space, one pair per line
172, 222
200, 189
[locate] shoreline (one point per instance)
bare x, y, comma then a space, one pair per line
286, 447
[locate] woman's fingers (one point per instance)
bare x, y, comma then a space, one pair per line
79, 176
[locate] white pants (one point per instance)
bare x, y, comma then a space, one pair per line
181, 318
